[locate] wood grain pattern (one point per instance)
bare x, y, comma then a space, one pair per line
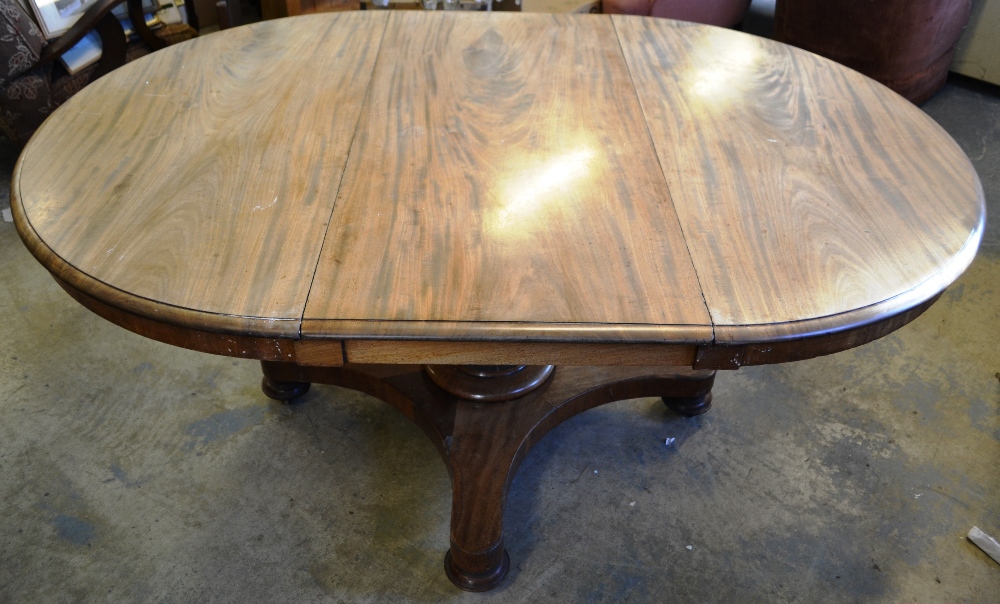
200, 179
517, 353
506, 194
501, 172
806, 191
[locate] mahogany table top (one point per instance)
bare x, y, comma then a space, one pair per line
404, 186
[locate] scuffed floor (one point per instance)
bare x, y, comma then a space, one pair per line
134, 471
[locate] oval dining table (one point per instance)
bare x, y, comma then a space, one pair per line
495, 221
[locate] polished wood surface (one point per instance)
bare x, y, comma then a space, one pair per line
195, 184
808, 193
515, 183
364, 180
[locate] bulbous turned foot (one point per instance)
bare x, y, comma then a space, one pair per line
689, 406
285, 392
476, 582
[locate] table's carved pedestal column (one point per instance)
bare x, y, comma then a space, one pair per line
483, 443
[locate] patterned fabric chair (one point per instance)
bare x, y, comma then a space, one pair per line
33, 83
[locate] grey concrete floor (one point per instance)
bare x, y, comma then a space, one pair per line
134, 471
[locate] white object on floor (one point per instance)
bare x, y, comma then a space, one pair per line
985, 542
7, 216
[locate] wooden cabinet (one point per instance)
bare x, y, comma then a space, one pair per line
275, 9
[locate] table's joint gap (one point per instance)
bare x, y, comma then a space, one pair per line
663, 174
343, 174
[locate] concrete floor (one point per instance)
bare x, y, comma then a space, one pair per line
134, 471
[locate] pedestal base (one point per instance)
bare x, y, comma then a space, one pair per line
483, 443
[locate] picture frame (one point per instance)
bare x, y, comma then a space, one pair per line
55, 17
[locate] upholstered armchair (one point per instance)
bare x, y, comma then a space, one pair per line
33, 83
726, 13
905, 44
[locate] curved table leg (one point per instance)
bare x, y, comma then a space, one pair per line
483, 443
